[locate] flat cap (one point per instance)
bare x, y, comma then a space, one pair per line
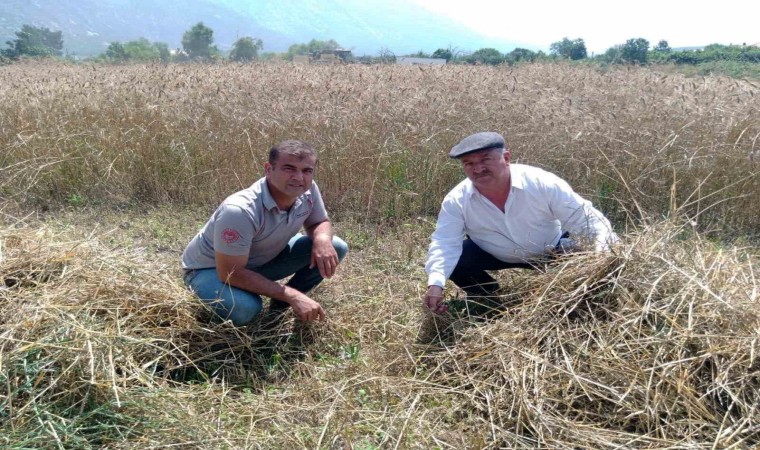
475, 142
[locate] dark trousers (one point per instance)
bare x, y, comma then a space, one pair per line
470, 272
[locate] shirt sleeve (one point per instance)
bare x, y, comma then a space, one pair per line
318, 211
446, 242
233, 231
578, 216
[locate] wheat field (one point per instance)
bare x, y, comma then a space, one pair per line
106, 172
637, 142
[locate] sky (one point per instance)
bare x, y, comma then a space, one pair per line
603, 24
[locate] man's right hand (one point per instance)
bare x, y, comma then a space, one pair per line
305, 308
434, 300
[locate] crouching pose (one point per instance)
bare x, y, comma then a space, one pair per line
252, 240
504, 216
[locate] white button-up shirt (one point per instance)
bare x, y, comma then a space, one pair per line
539, 208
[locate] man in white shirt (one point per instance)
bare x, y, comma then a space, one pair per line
504, 216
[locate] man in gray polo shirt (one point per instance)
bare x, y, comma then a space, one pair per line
504, 216
252, 240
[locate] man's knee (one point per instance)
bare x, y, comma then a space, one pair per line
242, 312
227, 302
341, 248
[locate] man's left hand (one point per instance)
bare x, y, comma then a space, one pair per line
324, 256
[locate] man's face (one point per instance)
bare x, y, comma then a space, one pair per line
487, 169
290, 176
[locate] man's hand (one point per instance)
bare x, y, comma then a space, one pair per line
324, 256
231, 270
434, 300
305, 308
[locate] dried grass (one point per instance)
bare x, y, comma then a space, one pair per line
651, 347
654, 346
637, 142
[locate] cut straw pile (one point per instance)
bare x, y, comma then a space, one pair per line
653, 346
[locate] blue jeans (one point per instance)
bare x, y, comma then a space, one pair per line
241, 306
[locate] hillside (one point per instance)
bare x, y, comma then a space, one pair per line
366, 27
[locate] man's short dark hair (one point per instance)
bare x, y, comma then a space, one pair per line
299, 149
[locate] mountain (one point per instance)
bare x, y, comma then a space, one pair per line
366, 27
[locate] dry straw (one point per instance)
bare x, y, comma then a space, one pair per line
653, 346
626, 138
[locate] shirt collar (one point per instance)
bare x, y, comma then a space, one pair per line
266, 196
517, 177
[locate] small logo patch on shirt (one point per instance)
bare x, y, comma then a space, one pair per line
229, 235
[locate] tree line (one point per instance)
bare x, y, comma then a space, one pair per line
198, 44
633, 51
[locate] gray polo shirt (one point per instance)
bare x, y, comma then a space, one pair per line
249, 223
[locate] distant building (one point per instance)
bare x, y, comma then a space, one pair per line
411, 61
336, 56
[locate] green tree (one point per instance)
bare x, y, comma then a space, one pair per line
443, 53
486, 56
574, 50
419, 54
717, 53
35, 41
198, 41
116, 52
521, 54
635, 51
660, 52
163, 51
311, 47
613, 55
662, 46
139, 50
246, 49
